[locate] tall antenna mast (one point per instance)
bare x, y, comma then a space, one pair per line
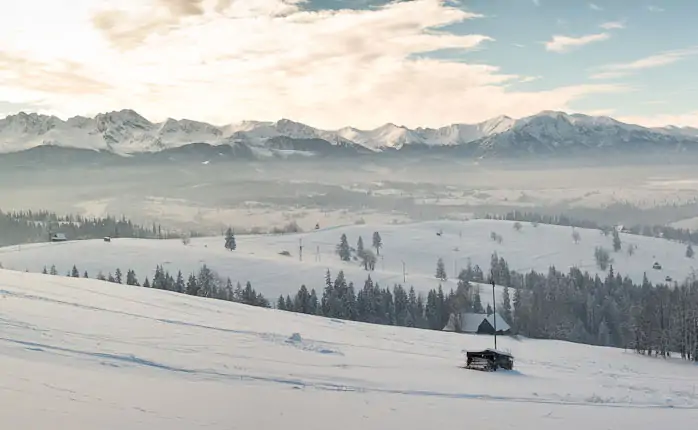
494, 310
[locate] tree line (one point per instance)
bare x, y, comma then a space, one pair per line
36, 226
573, 306
661, 231
203, 283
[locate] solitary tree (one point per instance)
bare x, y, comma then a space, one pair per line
441, 270
689, 251
230, 243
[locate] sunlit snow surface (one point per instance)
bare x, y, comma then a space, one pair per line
80, 353
257, 258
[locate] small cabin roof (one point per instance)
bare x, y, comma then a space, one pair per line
492, 351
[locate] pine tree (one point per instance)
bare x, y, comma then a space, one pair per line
489, 309
53, 270
506, 305
118, 276
131, 278
180, 287
111, 278
230, 243
616, 240
689, 251
441, 270
281, 303
477, 301
75, 273
377, 242
360, 248
45, 272
146, 283
343, 249
84, 275
192, 286
101, 276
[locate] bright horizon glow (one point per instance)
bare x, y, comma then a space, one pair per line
225, 61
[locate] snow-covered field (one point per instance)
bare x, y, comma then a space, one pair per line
84, 354
257, 258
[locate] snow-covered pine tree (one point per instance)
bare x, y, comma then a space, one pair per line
360, 248
377, 242
441, 270
230, 242
343, 248
616, 240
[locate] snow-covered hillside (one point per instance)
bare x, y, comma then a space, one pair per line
258, 258
127, 132
84, 354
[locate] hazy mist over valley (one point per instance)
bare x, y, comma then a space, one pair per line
260, 195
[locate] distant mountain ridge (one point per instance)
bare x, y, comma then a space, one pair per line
127, 133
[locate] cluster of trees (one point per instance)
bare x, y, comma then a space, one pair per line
360, 253
573, 306
374, 304
671, 233
37, 226
203, 283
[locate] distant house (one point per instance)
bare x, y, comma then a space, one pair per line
477, 323
58, 237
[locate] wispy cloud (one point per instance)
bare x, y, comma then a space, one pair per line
618, 70
654, 9
264, 59
566, 43
613, 25
594, 6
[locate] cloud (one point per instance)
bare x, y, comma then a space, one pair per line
566, 43
269, 59
594, 6
655, 9
61, 77
688, 119
613, 25
618, 70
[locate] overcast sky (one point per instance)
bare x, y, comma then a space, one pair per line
332, 63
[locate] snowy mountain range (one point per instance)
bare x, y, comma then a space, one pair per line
127, 133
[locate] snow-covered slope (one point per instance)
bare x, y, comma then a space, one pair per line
84, 354
126, 132
257, 258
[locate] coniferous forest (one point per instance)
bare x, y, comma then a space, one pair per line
37, 226
613, 311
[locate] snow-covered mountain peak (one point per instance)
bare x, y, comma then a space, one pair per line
126, 131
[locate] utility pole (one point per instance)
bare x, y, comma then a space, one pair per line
404, 274
494, 310
300, 249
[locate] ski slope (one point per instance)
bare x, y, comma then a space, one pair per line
80, 353
257, 257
